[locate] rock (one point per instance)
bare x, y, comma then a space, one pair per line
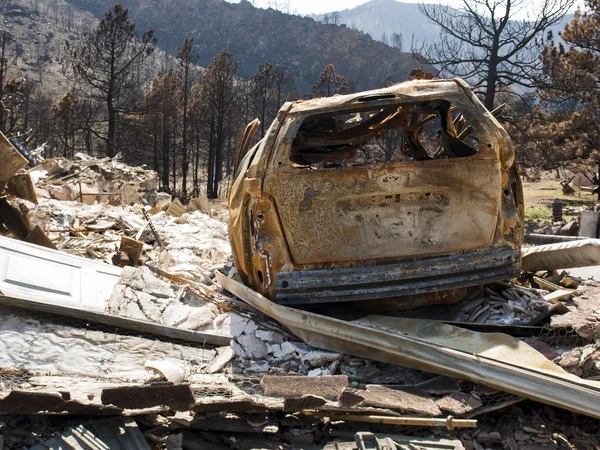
532, 430
521, 435
543, 348
570, 359
142, 279
468, 445
198, 318
570, 229
350, 397
287, 349
260, 367
224, 355
511, 443
458, 403
326, 386
587, 331
408, 399
318, 358
477, 445
266, 336
253, 346
175, 442
300, 403
239, 351
241, 325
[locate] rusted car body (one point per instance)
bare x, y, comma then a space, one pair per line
389, 193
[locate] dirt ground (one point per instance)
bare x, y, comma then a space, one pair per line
539, 196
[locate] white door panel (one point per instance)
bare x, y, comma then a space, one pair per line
37, 273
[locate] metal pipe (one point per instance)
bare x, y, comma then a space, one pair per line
449, 422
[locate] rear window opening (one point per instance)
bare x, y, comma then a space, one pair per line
409, 132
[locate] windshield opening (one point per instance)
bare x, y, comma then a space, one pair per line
408, 132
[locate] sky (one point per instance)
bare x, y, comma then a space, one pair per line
304, 7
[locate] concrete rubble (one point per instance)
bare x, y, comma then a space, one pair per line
267, 389
92, 180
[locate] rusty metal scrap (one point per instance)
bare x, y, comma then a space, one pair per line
315, 217
492, 359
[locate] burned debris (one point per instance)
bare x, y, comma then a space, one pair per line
319, 215
335, 328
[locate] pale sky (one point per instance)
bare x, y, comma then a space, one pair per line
304, 7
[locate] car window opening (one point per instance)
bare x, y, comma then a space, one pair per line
409, 132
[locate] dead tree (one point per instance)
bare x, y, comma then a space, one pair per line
186, 58
219, 92
330, 83
484, 41
105, 59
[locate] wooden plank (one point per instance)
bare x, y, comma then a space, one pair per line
12, 161
202, 204
294, 385
21, 186
133, 249
38, 237
178, 397
118, 321
546, 284
560, 294
14, 220
176, 209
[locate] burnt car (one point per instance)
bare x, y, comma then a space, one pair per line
406, 190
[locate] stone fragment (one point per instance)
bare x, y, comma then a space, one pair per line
224, 355
142, 279
264, 335
301, 403
288, 386
318, 358
407, 399
543, 348
253, 346
521, 435
511, 443
458, 403
350, 397
258, 367
241, 325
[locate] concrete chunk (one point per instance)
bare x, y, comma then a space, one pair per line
289, 386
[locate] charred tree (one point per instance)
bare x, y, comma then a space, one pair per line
186, 58
106, 58
488, 43
330, 83
219, 90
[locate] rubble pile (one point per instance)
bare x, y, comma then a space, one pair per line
90, 180
190, 244
503, 304
267, 388
560, 228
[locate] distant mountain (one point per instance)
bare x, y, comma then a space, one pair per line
386, 17
253, 35
379, 17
